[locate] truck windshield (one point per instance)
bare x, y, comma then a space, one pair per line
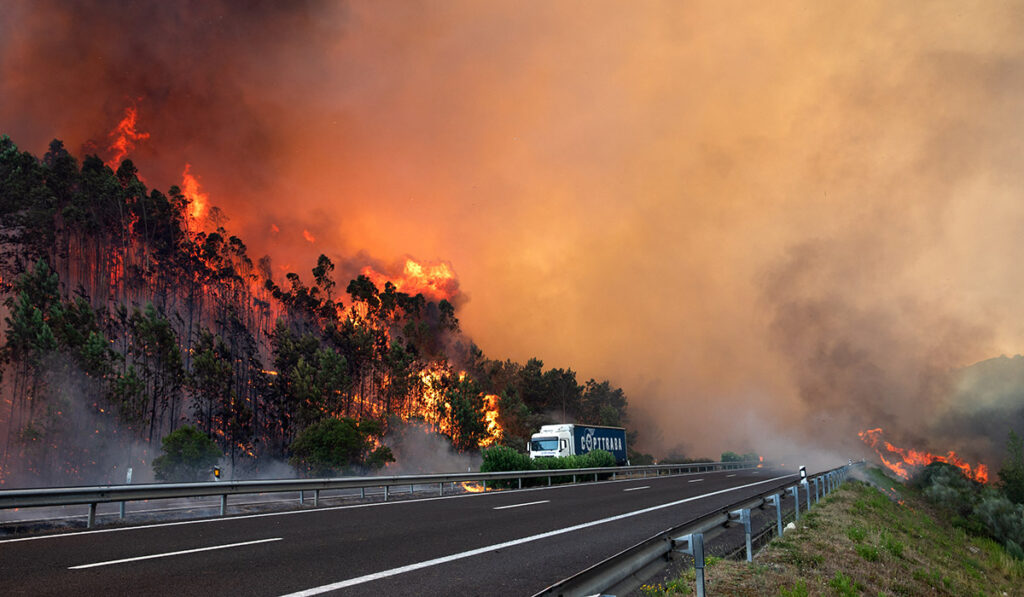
544, 443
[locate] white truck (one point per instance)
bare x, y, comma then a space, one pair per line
574, 440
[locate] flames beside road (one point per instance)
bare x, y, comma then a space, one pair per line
903, 461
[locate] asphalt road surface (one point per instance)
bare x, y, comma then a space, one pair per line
496, 543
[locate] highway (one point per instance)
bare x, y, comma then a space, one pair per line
508, 542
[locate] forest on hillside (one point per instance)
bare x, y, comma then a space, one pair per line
127, 317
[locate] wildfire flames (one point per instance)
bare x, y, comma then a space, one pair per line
910, 458
433, 407
125, 135
197, 201
435, 281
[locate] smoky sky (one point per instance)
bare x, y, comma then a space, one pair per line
794, 220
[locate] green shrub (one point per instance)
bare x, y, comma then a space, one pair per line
856, 533
1003, 518
892, 545
844, 585
598, 459
798, 590
868, 552
503, 458
498, 459
187, 455
335, 445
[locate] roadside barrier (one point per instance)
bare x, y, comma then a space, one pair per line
690, 537
94, 495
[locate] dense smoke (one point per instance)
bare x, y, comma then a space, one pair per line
804, 215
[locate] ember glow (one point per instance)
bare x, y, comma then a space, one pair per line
903, 461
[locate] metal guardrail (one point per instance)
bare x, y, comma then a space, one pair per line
689, 537
63, 496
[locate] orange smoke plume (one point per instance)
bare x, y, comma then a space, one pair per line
125, 136
910, 458
434, 281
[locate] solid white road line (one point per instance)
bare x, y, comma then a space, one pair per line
637, 488
695, 480
521, 505
732, 475
474, 552
172, 553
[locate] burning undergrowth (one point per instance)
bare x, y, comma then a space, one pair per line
867, 356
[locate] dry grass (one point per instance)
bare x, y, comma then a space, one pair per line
866, 541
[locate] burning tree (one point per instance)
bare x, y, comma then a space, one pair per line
133, 312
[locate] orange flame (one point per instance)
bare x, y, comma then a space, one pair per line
198, 201
471, 487
914, 458
431, 408
434, 281
306, 234
125, 136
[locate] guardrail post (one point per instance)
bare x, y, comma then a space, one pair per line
440, 488
795, 490
412, 489
223, 504
574, 479
520, 482
808, 487
362, 492
302, 498
695, 547
816, 489
92, 515
316, 498
776, 501
122, 510
385, 493
549, 480
744, 518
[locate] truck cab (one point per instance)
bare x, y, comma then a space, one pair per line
552, 440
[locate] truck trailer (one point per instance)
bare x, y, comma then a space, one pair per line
574, 440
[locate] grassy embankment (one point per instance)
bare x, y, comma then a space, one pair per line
877, 537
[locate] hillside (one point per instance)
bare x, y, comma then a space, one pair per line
131, 313
872, 537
